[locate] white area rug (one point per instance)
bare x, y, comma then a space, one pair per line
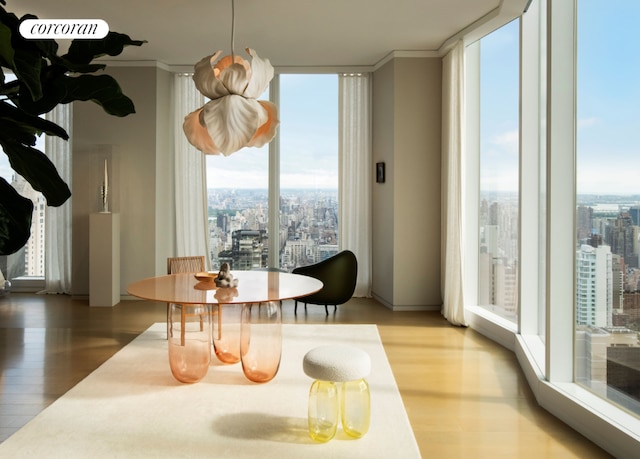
133, 407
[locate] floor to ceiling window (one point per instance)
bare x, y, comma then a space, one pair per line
576, 333
308, 169
607, 320
239, 191
498, 212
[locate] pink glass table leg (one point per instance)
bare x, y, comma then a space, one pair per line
226, 332
189, 341
261, 340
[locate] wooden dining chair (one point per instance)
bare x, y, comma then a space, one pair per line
175, 265
185, 264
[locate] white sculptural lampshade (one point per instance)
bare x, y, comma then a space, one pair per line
233, 118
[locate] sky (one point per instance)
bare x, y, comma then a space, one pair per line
499, 86
608, 128
308, 133
608, 134
608, 101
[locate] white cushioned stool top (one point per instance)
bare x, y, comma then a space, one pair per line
336, 363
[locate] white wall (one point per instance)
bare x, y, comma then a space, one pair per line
140, 145
382, 233
406, 208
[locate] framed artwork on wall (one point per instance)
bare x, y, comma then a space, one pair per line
380, 173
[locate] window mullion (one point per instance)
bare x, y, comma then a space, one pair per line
529, 173
561, 205
274, 185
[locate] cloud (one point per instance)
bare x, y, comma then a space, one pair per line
499, 177
303, 164
317, 180
308, 141
507, 142
499, 162
603, 176
587, 122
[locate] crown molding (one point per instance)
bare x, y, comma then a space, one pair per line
313, 69
505, 12
405, 54
117, 63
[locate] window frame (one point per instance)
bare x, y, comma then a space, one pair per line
274, 161
545, 351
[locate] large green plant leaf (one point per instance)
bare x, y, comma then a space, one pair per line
38, 170
15, 219
27, 67
65, 65
84, 51
101, 89
27, 58
48, 48
6, 51
19, 124
44, 80
53, 92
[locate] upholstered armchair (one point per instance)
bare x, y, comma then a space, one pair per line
338, 274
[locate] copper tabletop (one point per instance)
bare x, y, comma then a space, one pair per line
253, 287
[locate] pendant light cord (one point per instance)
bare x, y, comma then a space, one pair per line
233, 28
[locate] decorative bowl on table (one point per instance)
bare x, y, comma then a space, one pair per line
206, 277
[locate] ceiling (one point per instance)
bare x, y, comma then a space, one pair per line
326, 33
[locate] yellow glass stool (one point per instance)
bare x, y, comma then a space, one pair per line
340, 392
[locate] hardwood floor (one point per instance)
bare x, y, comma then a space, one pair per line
465, 395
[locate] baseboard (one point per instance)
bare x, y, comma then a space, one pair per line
490, 325
85, 297
405, 307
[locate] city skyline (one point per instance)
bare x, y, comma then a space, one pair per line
238, 227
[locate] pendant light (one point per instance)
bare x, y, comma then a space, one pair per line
233, 118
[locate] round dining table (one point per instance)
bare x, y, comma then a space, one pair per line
255, 296
253, 287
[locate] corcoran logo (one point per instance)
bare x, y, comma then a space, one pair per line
40, 29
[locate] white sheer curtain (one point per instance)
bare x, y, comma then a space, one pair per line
57, 226
355, 174
192, 227
452, 183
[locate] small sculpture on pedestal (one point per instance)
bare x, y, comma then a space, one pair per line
104, 191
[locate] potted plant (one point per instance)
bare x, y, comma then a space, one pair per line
44, 79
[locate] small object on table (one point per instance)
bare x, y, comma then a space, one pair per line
206, 276
225, 278
340, 391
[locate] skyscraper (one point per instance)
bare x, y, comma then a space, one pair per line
584, 222
622, 236
594, 286
29, 261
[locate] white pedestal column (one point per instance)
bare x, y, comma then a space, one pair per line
104, 259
